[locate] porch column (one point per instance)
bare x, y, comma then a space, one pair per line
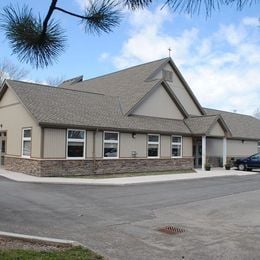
224, 151
204, 154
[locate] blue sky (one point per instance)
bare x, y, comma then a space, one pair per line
218, 56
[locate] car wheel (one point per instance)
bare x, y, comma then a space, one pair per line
241, 167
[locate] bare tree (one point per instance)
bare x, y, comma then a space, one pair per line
257, 113
40, 41
9, 70
55, 81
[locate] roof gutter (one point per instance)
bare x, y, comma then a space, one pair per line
125, 130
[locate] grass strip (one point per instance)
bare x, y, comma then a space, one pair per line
75, 253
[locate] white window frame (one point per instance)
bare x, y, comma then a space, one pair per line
157, 143
26, 139
111, 142
76, 141
174, 143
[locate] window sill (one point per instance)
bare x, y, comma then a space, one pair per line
75, 158
110, 158
26, 157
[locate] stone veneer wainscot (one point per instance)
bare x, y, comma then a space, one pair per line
38, 167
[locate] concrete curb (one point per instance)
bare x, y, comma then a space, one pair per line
122, 181
40, 239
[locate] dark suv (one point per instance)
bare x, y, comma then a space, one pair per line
248, 163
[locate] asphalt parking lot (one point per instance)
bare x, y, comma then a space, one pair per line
220, 217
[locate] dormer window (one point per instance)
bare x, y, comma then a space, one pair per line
167, 75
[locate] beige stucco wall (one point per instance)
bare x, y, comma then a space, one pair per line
14, 117
129, 144
214, 147
54, 143
181, 93
235, 148
159, 104
165, 146
89, 151
98, 144
9, 98
187, 146
217, 130
139, 144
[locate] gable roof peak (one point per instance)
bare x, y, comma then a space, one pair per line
126, 69
129, 84
71, 81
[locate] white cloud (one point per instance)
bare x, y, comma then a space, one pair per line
251, 21
232, 34
104, 56
83, 3
148, 42
222, 69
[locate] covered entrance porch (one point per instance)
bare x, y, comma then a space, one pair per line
210, 150
209, 141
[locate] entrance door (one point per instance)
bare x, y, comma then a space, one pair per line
197, 153
2, 147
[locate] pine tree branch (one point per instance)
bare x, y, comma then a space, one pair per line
48, 16
70, 13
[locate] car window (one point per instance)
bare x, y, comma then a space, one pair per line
256, 157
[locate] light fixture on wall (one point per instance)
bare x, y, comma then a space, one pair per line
242, 141
134, 153
1, 125
133, 135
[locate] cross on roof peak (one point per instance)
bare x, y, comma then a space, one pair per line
169, 49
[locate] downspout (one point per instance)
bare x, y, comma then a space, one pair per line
42, 144
94, 151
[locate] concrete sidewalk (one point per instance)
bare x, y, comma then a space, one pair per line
217, 172
24, 237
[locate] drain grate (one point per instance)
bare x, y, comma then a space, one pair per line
171, 230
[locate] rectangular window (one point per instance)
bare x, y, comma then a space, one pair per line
3, 146
258, 146
26, 142
176, 146
111, 148
153, 146
76, 143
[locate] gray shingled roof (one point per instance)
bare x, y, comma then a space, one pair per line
241, 126
102, 102
129, 85
200, 124
65, 107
